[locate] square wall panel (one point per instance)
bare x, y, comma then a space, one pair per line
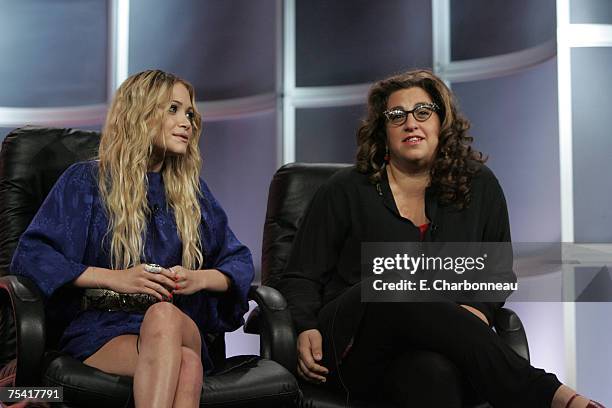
358, 41
54, 53
226, 49
591, 11
239, 160
592, 143
327, 135
492, 27
515, 122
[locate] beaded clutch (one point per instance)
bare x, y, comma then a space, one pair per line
111, 301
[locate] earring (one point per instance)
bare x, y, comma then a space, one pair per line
386, 157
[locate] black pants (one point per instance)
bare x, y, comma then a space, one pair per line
426, 354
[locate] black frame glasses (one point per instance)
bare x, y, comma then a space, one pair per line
421, 112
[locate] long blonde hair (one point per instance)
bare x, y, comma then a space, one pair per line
126, 147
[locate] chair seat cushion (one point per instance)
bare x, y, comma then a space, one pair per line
242, 381
250, 381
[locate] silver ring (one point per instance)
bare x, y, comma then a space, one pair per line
153, 268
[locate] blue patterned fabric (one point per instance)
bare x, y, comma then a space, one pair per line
68, 234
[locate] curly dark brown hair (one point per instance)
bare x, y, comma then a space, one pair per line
455, 161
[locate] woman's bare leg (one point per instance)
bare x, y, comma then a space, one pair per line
118, 356
190, 380
164, 332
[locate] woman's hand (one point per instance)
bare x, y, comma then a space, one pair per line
137, 280
188, 281
309, 347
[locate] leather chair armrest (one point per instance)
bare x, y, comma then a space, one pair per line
510, 328
272, 321
24, 298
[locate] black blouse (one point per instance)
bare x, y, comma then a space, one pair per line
348, 210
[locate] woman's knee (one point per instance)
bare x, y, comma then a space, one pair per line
162, 311
161, 319
433, 367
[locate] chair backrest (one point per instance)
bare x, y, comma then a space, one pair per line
291, 190
31, 161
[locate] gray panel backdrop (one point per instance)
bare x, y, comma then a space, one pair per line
485, 28
515, 122
53, 53
340, 42
225, 48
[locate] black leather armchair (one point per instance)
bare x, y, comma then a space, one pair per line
30, 162
290, 192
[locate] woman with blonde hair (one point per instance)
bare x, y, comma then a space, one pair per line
137, 252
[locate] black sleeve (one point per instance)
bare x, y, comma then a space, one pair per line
314, 255
496, 229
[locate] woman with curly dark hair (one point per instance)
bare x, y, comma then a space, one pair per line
416, 179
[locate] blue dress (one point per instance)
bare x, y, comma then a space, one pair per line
67, 235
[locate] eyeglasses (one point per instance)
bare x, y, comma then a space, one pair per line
421, 112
